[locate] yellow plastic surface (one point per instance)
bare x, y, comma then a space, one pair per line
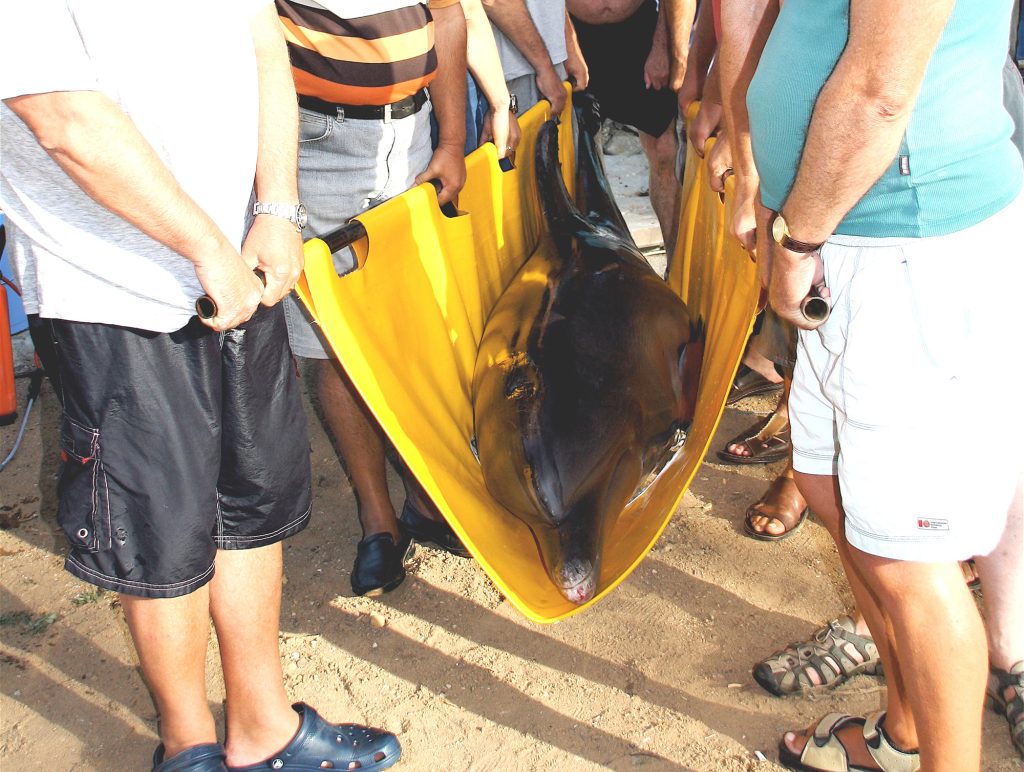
407, 324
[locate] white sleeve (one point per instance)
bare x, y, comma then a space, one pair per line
42, 50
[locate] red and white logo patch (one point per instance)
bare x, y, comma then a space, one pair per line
932, 525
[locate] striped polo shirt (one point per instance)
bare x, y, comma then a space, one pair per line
360, 52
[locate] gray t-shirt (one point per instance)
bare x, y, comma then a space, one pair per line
549, 18
75, 259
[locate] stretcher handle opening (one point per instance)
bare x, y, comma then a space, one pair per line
206, 307
352, 231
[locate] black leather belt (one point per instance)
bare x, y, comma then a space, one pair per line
403, 108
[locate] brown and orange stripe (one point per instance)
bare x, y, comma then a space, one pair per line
369, 60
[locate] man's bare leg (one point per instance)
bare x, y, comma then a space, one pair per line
245, 602
1002, 579
822, 495
362, 448
170, 635
661, 159
941, 654
782, 411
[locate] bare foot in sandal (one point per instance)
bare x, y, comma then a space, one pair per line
857, 743
763, 443
779, 513
767, 442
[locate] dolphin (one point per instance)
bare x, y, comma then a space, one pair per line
586, 377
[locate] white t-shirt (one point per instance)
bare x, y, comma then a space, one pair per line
185, 73
549, 19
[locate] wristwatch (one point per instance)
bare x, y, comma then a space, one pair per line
513, 105
780, 232
293, 213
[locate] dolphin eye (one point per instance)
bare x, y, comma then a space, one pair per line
520, 376
519, 384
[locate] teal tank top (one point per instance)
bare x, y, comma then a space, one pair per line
956, 165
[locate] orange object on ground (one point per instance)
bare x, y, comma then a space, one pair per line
8, 395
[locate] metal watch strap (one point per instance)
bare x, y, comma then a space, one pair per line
293, 213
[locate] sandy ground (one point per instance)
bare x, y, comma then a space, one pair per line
656, 676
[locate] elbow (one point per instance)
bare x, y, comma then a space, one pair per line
887, 108
886, 99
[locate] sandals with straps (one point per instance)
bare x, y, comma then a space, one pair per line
824, 752
782, 503
834, 654
766, 441
1000, 684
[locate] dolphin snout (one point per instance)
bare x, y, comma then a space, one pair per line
578, 580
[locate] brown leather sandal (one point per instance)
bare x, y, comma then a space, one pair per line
748, 383
782, 502
766, 441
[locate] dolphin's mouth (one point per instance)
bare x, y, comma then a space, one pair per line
578, 581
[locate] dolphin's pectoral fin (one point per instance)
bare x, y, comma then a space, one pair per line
660, 455
691, 362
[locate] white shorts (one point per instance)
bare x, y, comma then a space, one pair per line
911, 391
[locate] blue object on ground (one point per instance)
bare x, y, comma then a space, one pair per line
16, 311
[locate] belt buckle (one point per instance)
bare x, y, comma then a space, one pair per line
387, 113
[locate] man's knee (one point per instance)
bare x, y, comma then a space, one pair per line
907, 585
661, 150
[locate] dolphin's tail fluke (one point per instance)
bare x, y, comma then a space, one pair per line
593, 191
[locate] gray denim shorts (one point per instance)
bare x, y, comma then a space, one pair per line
347, 166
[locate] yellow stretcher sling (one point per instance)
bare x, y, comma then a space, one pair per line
406, 326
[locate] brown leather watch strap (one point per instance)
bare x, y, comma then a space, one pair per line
798, 246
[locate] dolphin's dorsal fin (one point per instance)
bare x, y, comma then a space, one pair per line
593, 191
564, 219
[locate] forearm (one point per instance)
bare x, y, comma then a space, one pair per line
712, 86
572, 43
862, 112
702, 45
482, 56
277, 161
661, 42
512, 18
448, 89
746, 25
678, 16
99, 147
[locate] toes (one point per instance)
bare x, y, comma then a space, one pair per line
793, 742
767, 524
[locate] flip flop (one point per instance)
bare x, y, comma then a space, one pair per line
749, 382
766, 441
780, 502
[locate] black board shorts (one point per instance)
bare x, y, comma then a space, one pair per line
615, 56
175, 445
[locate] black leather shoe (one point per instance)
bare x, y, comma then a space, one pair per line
378, 567
436, 532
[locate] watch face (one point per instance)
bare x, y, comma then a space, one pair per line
779, 229
301, 216
513, 104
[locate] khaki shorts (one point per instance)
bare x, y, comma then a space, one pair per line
910, 392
